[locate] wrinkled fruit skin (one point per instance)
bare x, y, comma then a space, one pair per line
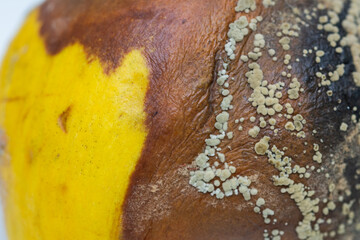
105, 105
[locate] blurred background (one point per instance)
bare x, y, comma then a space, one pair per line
12, 14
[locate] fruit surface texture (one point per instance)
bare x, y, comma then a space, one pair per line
182, 120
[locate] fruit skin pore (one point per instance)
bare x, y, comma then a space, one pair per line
73, 136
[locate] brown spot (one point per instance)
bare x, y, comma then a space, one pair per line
63, 118
30, 157
63, 188
13, 99
32, 154
26, 114
22, 98
3, 141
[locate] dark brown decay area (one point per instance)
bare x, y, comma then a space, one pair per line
183, 42
343, 148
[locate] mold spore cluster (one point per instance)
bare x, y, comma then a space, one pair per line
220, 178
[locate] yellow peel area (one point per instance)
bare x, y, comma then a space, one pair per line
74, 135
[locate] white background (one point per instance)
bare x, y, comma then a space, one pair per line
12, 14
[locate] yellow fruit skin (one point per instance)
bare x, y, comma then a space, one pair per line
66, 177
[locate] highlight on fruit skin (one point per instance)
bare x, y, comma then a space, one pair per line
208, 119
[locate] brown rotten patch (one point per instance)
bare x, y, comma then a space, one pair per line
183, 43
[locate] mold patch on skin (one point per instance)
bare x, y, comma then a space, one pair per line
269, 102
257, 120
